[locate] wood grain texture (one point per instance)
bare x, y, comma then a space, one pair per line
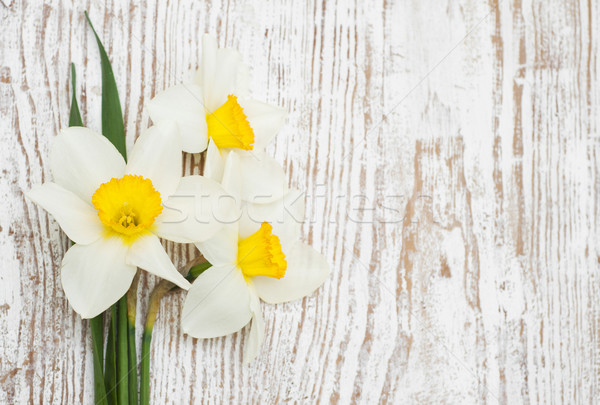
450, 153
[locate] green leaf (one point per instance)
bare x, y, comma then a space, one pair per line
97, 327
117, 365
145, 367
110, 360
112, 117
97, 323
132, 357
132, 353
122, 353
74, 115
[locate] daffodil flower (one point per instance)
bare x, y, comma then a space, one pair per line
260, 257
116, 212
215, 112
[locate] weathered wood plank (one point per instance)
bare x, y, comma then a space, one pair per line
450, 156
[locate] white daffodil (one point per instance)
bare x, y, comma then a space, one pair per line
260, 256
115, 212
215, 112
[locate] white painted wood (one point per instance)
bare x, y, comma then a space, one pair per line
450, 155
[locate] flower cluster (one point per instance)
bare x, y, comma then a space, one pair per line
240, 214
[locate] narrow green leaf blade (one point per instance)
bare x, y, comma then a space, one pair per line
74, 115
145, 367
97, 323
112, 116
132, 361
110, 361
132, 353
113, 129
97, 327
122, 353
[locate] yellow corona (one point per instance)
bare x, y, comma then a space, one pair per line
260, 254
228, 126
127, 206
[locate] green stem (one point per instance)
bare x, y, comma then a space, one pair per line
97, 327
110, 364
145, 368
196, 270
193, 268
131, 315
122, 353
159, 291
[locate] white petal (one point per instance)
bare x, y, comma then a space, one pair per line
214, 164
79, 220
221, 73
199, 208
148, 254
95, 276
156, 155
306, 270
183, 104
222, 248
257, 331
232, 180
224, 81
263, 179
265, 119
82, 159
286, 215
217, 304
208, 65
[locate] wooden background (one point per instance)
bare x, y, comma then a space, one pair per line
450, 153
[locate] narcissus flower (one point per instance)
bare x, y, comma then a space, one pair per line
115, 212
257, 258
215, 112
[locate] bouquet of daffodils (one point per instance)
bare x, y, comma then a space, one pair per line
114, 206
